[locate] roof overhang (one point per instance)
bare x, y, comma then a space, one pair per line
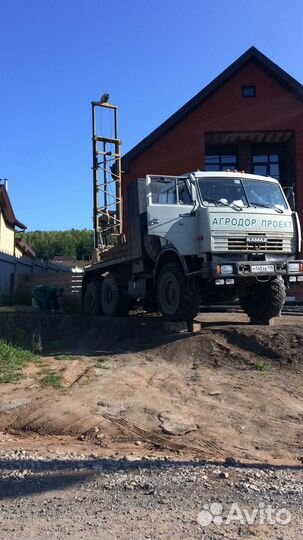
256, 137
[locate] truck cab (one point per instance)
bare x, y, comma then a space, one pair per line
224, 218
234, 231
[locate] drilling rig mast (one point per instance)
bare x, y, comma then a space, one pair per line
106, 178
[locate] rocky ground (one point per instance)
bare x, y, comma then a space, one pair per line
61, 496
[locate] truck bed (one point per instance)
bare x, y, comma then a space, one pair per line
132, 249
113, 256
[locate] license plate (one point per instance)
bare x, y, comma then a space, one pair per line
260, 268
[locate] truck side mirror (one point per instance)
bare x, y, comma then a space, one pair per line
290, 196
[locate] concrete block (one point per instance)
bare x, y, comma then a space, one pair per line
182, 326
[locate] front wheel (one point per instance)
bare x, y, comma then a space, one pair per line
178, 297
265, 301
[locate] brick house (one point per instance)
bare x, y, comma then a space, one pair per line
248, 118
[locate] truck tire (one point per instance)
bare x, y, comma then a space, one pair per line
114, 301
178, 297
265, 301
92, 298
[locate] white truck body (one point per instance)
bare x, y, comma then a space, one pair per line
223, 229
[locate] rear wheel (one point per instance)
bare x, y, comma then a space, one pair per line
92, 298
178, 297
114, 300
265, 301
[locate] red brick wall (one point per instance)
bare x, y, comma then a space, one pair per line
182, 148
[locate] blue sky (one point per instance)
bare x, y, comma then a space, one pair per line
152, 56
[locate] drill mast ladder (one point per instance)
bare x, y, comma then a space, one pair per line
106, 179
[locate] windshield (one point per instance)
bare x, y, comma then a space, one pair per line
239, 193
264, 194
219, 191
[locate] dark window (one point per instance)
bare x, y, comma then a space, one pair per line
249, 91
266, 165
183, 192
220, 158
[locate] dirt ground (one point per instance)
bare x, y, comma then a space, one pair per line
143, 432
131, 387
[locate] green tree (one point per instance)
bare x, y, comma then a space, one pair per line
77, 244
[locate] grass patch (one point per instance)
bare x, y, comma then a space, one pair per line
66, 357
12, 360
103, 363
262, 366
51, 379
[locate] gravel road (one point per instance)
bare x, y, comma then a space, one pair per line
61, 496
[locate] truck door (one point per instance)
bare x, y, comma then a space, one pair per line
171, 214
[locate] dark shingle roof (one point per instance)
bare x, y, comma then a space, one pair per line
7, 210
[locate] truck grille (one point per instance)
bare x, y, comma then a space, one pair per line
241, 243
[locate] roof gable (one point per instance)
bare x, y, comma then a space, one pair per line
7, 210
252, 54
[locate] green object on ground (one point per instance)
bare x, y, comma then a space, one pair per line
45, 297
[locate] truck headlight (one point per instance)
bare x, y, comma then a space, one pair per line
227, 269
294, 267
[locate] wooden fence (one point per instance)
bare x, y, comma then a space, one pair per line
70, 281
10, 267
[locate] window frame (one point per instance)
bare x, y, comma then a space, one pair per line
176, 179
221, 151
246, 87
267, 163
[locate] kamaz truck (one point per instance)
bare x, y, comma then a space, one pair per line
197, 239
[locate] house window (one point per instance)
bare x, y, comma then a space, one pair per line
220, 158
267, 165
249, 91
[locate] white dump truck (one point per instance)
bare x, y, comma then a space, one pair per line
198, 239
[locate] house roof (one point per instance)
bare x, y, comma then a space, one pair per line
25, 248
252, 54
7, 210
